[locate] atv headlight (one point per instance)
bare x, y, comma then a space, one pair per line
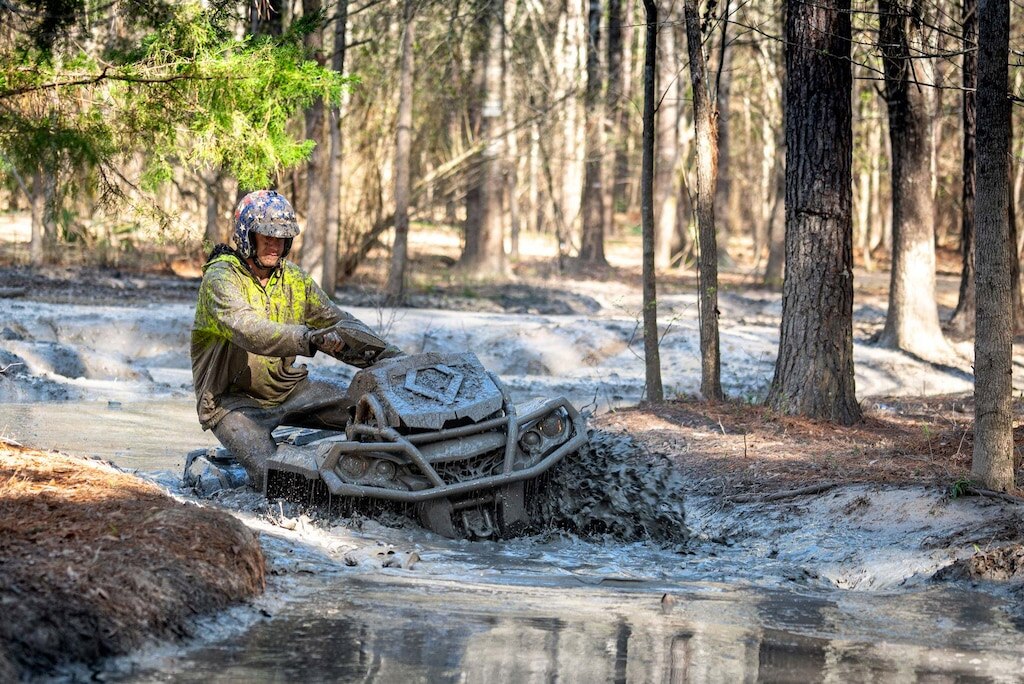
553, 425
353, 467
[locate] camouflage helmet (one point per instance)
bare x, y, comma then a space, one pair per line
265, 212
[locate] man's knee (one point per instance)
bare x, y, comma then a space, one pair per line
249, 441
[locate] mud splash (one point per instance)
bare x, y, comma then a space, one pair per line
615, 489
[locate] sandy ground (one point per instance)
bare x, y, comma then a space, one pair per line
880, 517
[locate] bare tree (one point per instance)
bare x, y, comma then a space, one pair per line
962, 321
333, 197
652, 356
592, 240
313, 254
484, 252
814, 369
403, 152
912, 321
666, 170
705, 117
992, 464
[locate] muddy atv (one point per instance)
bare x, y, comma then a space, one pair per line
436, 433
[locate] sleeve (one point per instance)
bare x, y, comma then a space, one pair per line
249, 328
363, 346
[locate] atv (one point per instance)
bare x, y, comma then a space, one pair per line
436, 433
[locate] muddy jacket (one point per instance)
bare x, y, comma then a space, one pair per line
245, 337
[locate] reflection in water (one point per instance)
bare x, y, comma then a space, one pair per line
392, 629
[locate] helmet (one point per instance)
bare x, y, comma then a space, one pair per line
265, 212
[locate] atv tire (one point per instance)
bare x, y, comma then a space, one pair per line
436, 516
510, 505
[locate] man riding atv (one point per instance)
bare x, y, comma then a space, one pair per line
434, 432
256, 312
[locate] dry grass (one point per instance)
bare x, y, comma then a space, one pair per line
733, 447
93, 561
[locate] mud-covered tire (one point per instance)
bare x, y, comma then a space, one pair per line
510, 506
436, 516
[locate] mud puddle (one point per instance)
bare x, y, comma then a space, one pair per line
833, 587
397, 626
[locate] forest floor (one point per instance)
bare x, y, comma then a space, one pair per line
916, 435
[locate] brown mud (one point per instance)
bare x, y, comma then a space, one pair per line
95, 562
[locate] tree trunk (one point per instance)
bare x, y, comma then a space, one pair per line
36, 250
592, 241
727, 219
705, 119
484, 252
912, 321
214, 232
313, 253
667, 141
814, 369
622, 174
962, 322
333, 223
776, 217
615, 137
992, 464
652, 355
403, 153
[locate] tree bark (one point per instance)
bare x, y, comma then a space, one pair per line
912, 320
592, 241
313, 254
667, 141
727, 215
36, 250
776, 217
705, 119
992, 464
615, 135
333, 222
484, 251
403, 153
814, 369
652, 355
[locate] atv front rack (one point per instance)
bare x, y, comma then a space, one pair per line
387, 439
424, 453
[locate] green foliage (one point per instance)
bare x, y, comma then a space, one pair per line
961, 487
186, 93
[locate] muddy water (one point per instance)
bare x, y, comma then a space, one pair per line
538, 609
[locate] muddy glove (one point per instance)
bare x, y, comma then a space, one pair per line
352, 343
329, 341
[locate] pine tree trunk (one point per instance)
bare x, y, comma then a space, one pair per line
592, 241
403, 153
705, 118
962, 321
667, 148
727, 220
992, 463
912, 321
484, 252
614, 98
652, 355
313, 254
814, 369
333, 224
36, 250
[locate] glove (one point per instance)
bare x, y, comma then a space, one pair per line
327, 340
